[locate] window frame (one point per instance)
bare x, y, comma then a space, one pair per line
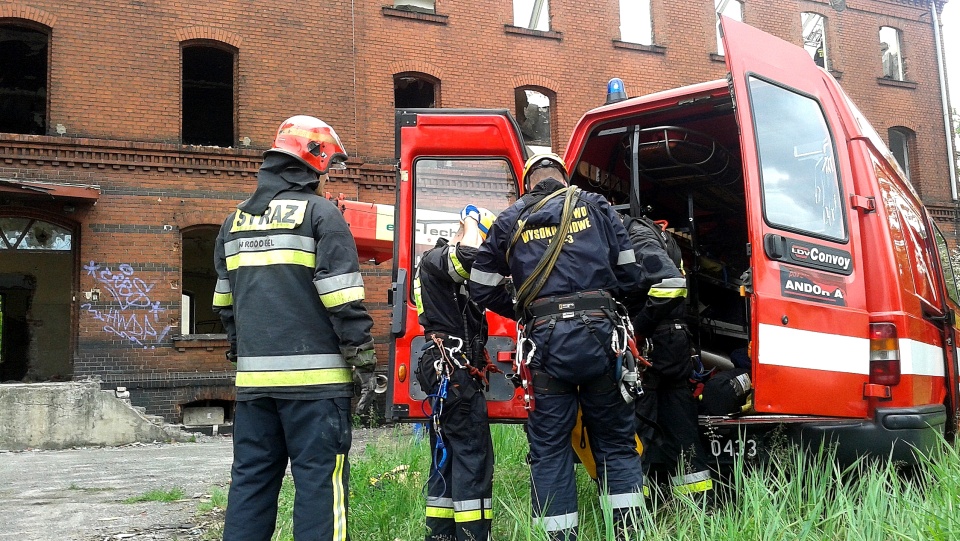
649, 13
234, 92
31, 26
901, 71
544, 16
552, 116
824, 41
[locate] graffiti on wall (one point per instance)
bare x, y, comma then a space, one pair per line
131, 314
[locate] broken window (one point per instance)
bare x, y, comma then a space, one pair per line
23, 80
532, 14
814, 29
199, 281
422, 6
30, 234
891, 54
208, 96
900, 140
730, 8
636, 22
533, 114
413, 91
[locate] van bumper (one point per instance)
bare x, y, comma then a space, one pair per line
897, 433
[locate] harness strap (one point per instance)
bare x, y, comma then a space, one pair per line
534, 283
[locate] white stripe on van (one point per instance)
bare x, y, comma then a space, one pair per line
782, 346
920, 358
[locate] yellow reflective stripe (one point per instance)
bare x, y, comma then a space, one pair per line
488, 514
456, 266
331, 300
294, 377
468, 516
416, 295
668, 293
339, 502
223, 299
272, 257
439, 512
702, 486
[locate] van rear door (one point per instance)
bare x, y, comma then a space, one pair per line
448, 158
809, 326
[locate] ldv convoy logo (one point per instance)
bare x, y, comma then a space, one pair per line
805, 254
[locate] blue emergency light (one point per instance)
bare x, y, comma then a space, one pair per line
615, 91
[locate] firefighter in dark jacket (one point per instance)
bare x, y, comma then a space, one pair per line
666, 411
566, 348
289, 293
452, 371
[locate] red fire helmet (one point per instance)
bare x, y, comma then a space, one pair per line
311, 141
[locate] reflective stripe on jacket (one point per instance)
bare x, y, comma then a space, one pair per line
289, 289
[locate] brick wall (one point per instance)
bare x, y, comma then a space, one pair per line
115, 87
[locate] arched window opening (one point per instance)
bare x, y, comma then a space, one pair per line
891, 53
411, 91
208, 96
23, 80
901, 139
814, 29
534, 110
199, 281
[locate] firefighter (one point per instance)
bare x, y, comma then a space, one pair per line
453, 370
289, 293
666, 411
568, 256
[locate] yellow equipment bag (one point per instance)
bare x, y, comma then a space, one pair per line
581, 446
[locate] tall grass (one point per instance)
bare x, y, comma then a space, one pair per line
793, 496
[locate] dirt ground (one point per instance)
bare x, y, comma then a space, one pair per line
78, 494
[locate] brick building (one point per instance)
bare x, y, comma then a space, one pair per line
128, 130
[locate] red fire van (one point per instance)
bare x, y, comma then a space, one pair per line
805, 249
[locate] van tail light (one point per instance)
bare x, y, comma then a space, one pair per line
884, 354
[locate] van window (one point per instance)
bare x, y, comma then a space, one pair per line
444, 187
800, 184
948, 265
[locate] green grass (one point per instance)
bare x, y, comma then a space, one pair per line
794, 496
158, 495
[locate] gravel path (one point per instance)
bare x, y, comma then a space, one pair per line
78, 494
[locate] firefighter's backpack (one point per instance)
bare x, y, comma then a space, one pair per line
667, 241
726, 393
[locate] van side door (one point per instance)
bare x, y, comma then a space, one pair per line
448, 158
810, 346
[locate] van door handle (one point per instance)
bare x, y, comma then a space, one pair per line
774, 246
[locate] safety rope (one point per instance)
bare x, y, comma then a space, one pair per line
531, 287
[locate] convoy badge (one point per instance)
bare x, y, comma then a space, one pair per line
812, 286
809, 255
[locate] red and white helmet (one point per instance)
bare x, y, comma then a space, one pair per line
312, 141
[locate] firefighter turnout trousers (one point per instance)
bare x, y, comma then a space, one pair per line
667, 416
316, 435
609, 423
460, 487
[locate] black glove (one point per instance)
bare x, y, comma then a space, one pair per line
231, 355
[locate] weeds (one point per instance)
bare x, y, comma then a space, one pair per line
792, 496
158, 495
